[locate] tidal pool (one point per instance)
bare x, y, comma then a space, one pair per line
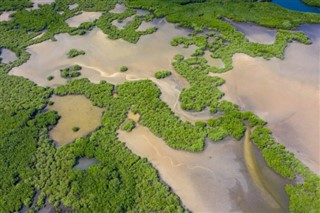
284, 93
7, 56
215, 180
75, 111
85, 163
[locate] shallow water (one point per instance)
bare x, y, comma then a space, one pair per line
204, 183
284, 93
104, 56
122, 24
75, 111
85, 163
255, 33
7, 56
76, 21
296, 5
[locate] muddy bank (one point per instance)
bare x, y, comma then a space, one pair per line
284, 94
204, 183
75, 111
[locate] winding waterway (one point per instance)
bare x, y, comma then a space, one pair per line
296, 5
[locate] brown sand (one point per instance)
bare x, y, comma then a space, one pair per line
75, 111
76, 21
215, 180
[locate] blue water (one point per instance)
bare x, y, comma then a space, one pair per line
296, 5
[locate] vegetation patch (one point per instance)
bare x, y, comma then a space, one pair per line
128, 126
74, 53
71, 72
162, 74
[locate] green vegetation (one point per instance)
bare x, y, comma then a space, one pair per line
71, 72
123, 69
75, 129
128, 126
162, 74
50, 78
315, 3
7, 5
129, 32
121, 181
74, 53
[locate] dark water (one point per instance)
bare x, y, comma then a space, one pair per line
296, 5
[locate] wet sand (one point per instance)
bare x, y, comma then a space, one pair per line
37, 2
284, 93
104, 56
75, 111
124, 23
214, 62
5, 16
73, 6
76, 21
204, 183
119, 8
255, 33
7, 56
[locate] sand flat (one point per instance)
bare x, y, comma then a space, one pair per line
104, 56
204, 183
76, 21
75, 111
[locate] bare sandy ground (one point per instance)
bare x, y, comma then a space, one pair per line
75, 111
215, 180
5, 16
284, 93
104, 57
76, 21
256, 33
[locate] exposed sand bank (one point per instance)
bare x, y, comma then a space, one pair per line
104, 56
76, 21
75, 111
255, 33
5, 16
274, 92
215, 180
36, 3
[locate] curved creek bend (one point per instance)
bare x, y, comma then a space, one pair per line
228, 176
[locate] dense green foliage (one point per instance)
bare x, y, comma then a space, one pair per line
71, 72
7, 5
128, 126
74, 53
121, 181
162, 74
